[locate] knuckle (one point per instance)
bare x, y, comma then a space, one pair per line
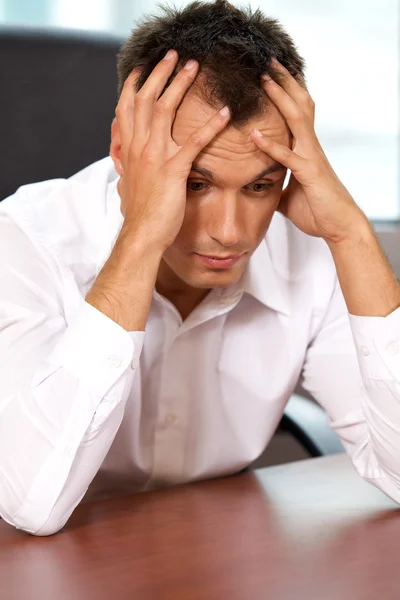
178, 168
310, 101
134, 153
317, 169
148, 156
140, 99
188, 76
299, 116
161, 108
286, 152
196, 139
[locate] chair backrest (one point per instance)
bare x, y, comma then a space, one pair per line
57, 102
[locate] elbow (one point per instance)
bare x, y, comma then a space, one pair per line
46, 530
33, 525
375, 472
36, 527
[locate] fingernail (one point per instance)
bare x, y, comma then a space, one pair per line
266, 77
170, 54
257, 132
225, 112
190, 64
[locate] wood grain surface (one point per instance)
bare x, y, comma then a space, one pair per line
307, 530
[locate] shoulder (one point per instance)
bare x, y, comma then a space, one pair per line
61, 216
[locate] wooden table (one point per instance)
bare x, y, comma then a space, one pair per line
307, 530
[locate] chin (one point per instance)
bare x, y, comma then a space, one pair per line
212, 279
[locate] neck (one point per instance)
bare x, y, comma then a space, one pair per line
184, 297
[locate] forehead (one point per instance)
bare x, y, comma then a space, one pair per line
232, 146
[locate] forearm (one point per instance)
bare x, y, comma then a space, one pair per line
367, 281
64, 412
123, 289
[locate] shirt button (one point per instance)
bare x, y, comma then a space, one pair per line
364, 350
69, 452
393, 348
170, 419
114, 361
135, 363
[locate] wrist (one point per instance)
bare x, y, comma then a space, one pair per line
360, 232
132, 243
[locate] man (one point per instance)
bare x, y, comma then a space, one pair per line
158, 308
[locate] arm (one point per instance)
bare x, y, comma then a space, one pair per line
368, 284
62, 399
353, 365
123, 289
65, 386
350, 371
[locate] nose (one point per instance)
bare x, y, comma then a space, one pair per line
224, 224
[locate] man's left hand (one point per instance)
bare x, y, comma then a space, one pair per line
315, 199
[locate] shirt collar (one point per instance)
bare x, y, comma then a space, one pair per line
263, 282
260, 279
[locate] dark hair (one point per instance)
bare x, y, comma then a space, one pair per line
233, 46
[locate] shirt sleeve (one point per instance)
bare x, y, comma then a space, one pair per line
63, 388
352, 369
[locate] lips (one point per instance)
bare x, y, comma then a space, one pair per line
232, 256
217, 262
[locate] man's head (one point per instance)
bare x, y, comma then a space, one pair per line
229, 204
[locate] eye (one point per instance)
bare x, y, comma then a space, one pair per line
196, 186
200, 186
258, 188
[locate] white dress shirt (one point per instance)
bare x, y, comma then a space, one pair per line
88, 409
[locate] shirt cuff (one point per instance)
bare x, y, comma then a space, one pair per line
97, 350
377, 341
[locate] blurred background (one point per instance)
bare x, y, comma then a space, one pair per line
351, 50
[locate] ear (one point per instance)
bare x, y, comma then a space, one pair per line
115, 147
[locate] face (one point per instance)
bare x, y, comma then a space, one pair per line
229, 206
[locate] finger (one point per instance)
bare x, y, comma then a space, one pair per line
295, 87
296, 118
200, 139
165, 108
281, 154
124, 110
158, 78
148, 95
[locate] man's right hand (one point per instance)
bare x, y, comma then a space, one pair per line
154, 168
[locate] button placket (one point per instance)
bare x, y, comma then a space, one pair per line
170, 438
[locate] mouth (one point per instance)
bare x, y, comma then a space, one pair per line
219, 262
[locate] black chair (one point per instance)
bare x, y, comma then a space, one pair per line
308, 423
57, 101
59, 91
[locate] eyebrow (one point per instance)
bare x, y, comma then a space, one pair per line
207, 173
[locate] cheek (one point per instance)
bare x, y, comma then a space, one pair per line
260, 213
194, 221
